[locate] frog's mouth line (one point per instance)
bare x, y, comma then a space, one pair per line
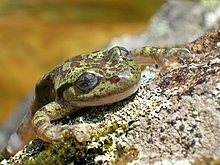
97, 101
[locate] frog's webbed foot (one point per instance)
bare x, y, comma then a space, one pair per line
46, 131
161, 56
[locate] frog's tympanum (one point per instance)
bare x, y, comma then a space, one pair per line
91, 79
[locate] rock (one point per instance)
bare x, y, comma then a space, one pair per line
174, 117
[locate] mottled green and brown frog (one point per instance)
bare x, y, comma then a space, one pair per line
90, 79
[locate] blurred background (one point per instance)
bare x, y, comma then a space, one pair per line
37, 35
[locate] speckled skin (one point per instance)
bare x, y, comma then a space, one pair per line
97, 78
85, 80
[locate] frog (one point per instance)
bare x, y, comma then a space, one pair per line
90, 79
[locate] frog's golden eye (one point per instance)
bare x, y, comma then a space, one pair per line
87, 81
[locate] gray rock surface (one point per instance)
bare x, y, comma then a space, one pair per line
174, 117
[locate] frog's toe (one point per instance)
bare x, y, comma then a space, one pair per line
81, 132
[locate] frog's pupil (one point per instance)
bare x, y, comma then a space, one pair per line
87, 81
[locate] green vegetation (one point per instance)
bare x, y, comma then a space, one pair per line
69, 151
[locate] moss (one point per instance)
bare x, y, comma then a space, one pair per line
108, 130
70, 151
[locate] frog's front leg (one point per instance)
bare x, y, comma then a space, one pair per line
46, 131
162, 56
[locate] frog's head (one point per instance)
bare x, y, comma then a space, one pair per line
98, 78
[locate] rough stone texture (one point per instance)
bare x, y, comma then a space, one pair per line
175, 115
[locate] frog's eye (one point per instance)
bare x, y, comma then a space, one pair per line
87, 81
